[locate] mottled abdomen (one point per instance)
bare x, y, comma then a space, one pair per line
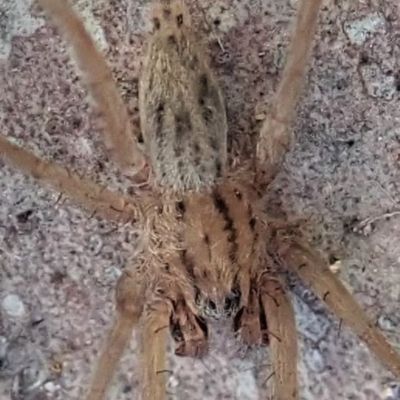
182, 111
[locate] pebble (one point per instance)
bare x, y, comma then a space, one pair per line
391, 392
336, 267
377, 83
50, 387
315, 361
3, 348
359, 30
96, 244
173, 382
386, 324
13, 306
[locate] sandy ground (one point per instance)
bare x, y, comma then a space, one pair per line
58, 267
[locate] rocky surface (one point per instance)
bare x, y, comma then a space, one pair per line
58, 267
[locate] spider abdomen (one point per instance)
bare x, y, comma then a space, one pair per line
182, 111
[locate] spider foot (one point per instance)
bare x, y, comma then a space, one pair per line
189, 331
250, 322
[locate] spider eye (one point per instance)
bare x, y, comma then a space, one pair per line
228, 305
211, 305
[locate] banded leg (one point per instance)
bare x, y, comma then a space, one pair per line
120, 139
275, 134
282, 337
328, 287
88, 194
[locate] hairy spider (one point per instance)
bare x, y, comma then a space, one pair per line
207, 250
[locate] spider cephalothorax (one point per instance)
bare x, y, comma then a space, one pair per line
207, 248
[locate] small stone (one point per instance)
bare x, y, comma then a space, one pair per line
113, 272
3, 348
391, 392
336, 267
386, 324
377, 83
31, 377
315, 360
13, 306
173, 382
50, 387
96, 244
84, 146
359, 30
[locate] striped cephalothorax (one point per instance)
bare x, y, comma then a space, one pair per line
207, 249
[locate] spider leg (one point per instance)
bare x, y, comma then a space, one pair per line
116, 342
282, 337
120, 139
129, 299
154, 335
275, 135
91, 196
316, 273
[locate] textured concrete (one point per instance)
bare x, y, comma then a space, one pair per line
58, 267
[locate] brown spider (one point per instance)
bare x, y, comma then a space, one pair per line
207, 249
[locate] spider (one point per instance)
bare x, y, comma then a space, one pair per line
208, 250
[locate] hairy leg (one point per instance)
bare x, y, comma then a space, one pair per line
88, 194
315, 273
129, 299
275, 134
116, 343
119, 135
154, 336
282, 337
